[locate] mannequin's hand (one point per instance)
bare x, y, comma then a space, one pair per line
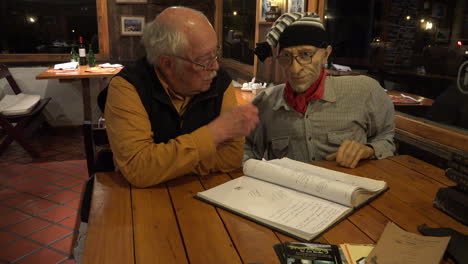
350, 153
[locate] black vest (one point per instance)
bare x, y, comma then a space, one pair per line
166, 123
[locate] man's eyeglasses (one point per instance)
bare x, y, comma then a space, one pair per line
207, 64
303, 59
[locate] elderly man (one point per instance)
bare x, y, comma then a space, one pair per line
174, 112
314, 116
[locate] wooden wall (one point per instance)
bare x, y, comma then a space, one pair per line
128, 48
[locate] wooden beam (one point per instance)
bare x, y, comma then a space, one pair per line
258, 16
218, 21
321, 9
312, 5
103, 29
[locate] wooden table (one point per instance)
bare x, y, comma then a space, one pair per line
423, 101
85, 78
426, 84
165, 224
414, 73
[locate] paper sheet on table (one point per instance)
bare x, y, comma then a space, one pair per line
66, 66
397, 246
108, 65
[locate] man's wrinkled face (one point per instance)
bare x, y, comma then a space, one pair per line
195, 77
196, 67
302, 65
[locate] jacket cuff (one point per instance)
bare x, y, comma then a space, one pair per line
380, 151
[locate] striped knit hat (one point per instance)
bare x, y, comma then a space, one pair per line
293, 29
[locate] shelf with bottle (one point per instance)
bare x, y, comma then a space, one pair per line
73, 54
91, 58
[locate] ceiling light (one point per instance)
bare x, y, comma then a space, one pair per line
31, 19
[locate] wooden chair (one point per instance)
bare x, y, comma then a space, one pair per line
98, 154
99, 158
16, 132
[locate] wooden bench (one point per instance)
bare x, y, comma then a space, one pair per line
435, 138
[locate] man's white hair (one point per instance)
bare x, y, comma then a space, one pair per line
162, 39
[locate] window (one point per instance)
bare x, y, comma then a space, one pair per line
350, 25
239, 30
412, 46
45, 30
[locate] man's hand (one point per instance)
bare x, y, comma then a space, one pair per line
237, 122
350, 153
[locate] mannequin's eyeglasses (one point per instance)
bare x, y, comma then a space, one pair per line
303, 59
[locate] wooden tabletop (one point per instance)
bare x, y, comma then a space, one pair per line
81, 73
165, 224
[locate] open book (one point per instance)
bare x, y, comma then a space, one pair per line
293, 197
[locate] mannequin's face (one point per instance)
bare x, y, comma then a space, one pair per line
302, 65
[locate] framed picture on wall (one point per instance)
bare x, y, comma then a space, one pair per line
266, 4
271, 9
131, 1
132, 25
296, 6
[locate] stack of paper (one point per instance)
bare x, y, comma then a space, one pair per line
251, 86
66, 66
108, 65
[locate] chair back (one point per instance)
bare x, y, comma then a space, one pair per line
5, 73
101, 99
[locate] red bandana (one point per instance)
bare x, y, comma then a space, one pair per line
299, 101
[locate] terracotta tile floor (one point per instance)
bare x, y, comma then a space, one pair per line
39, 198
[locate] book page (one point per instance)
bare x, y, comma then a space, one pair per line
364, 183
397, 246
302, 181
293, 211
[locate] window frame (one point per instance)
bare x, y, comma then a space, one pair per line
103, 33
